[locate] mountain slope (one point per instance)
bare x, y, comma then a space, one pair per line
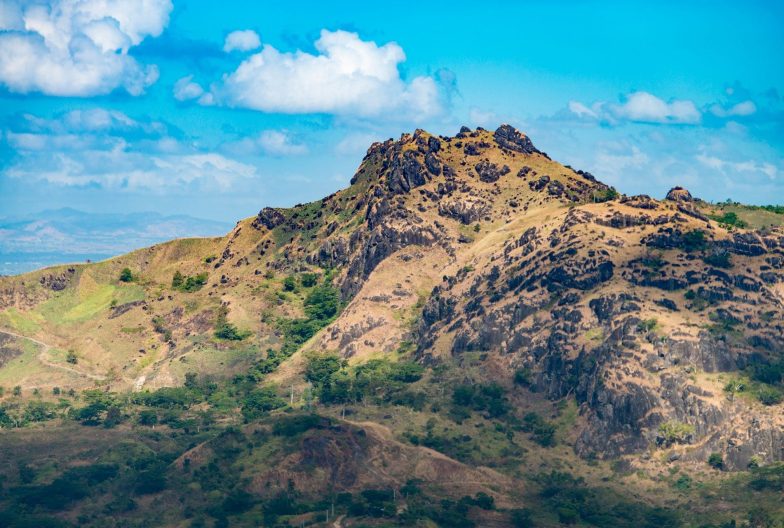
638, 330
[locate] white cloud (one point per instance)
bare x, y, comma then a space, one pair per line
78, 47
747, 166
640, 107
742, 109
271, 142
185, 89
242, 41
357, 143
280, 143
484, 118
108, 149
615, 163
580, 110
647, 108
124, 169
348, 76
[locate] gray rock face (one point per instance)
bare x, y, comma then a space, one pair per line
510, 138
269, 218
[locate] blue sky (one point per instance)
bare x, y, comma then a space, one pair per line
184, 108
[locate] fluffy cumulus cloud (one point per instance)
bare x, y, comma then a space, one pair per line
77, 47
186, 89
640, 107
244, 40
108, 149
348, 76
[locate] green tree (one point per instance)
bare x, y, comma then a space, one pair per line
177, 280
126, 275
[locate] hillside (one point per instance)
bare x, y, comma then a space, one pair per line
469, 318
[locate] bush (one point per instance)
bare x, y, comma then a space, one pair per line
769, 395
729, 219
522, 518
289, 284
296, 425
647, 325
672, 432
319, 369
71, 357
309, 280
694, 240
605, 195
169, 398
716, 461
523, 377
542, 431
126, 275
488, 397
720, 259
322, 303
225, 330
189, 284
261, 401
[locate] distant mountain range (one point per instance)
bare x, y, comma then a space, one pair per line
67, 235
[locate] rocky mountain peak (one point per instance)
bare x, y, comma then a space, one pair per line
679, 194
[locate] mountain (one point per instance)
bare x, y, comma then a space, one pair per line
470, 334
67, 235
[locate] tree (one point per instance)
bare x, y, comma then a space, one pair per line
126, 275
177, 279
71, 358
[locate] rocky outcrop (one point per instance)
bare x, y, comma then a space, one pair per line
508, 137
268, 217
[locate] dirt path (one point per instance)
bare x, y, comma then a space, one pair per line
338, 522
45, 360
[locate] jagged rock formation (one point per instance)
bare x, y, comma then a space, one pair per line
481, 243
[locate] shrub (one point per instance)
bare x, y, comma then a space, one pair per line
729, 219
309, 280
189, 284
523, 377
322, 303
769, 395
225, 330
674, 432
296, 425
716, 461
720, 259
38, 411
319, 369
605, 195
522, 518
647, 325
195, 283
71, 357
482, 397
694, 240
126, 275
260, 401
289, 284
542, 431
